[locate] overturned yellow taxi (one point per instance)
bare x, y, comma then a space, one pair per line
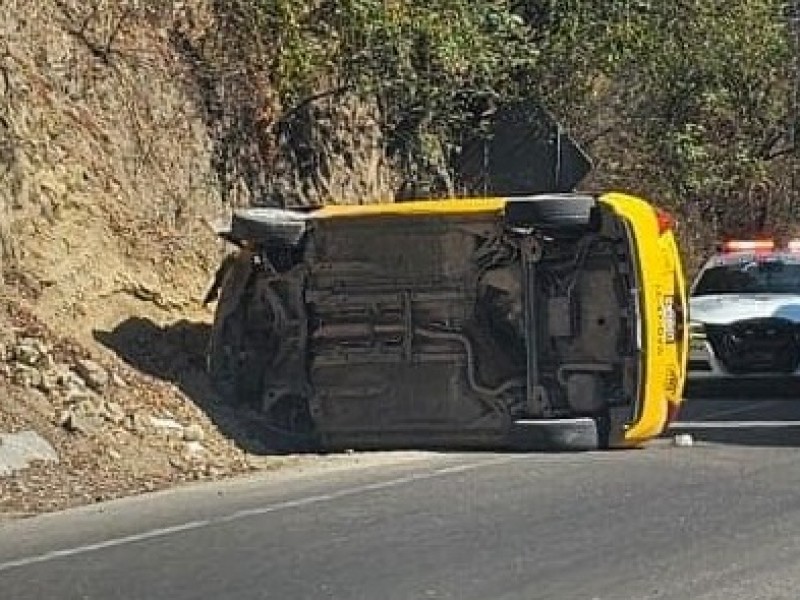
549, 321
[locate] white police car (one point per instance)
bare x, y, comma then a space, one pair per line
744, 312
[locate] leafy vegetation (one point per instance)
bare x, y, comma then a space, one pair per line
690, 102
707, 89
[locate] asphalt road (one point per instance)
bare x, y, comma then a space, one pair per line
717, 520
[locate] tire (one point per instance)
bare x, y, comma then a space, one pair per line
554, 213
228, 339
269, 226
556, 435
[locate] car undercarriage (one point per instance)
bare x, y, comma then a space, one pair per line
400, 331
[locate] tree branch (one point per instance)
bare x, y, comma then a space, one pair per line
288, 114
782, 152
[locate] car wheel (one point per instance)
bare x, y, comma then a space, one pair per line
269, 226
228, 349
551, 214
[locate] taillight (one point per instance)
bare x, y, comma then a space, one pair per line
665, 221
672, 413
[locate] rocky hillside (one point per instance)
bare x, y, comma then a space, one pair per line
106, 166
127, 127
115, 431
107, 185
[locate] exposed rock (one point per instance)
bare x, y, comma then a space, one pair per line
95, 375
166, 424
212, 471
41, 346
193, 433
87, 415
168, 427
194, 449
20, 450
118, 381
26, 376
47, 362
68, 379
49, 383
138, 422
88, 406
85, 424
113, 412
27, 353
76, 396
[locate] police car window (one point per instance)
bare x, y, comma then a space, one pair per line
750, 277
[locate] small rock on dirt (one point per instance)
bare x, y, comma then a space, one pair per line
94, 374
27, 354
49, 383
85, 424
160, 423
27, 376
193, 433
138, 422
194, 448
112, 412
118, 381
169, 427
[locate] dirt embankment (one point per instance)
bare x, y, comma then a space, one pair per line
112, 163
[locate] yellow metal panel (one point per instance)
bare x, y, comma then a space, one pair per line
451, 206
661, 274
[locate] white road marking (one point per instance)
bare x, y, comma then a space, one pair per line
250, 512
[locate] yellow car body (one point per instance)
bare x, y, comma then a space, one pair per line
663, 283
393, 341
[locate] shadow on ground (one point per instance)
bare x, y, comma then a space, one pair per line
762, 413
175, 353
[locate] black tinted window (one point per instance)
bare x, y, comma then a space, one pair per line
752, 277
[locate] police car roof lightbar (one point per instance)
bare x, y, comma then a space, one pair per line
749, 246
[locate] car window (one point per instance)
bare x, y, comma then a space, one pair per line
749, 277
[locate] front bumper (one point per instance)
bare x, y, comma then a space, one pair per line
703, 363
706, 364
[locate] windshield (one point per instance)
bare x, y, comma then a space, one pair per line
750, 277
